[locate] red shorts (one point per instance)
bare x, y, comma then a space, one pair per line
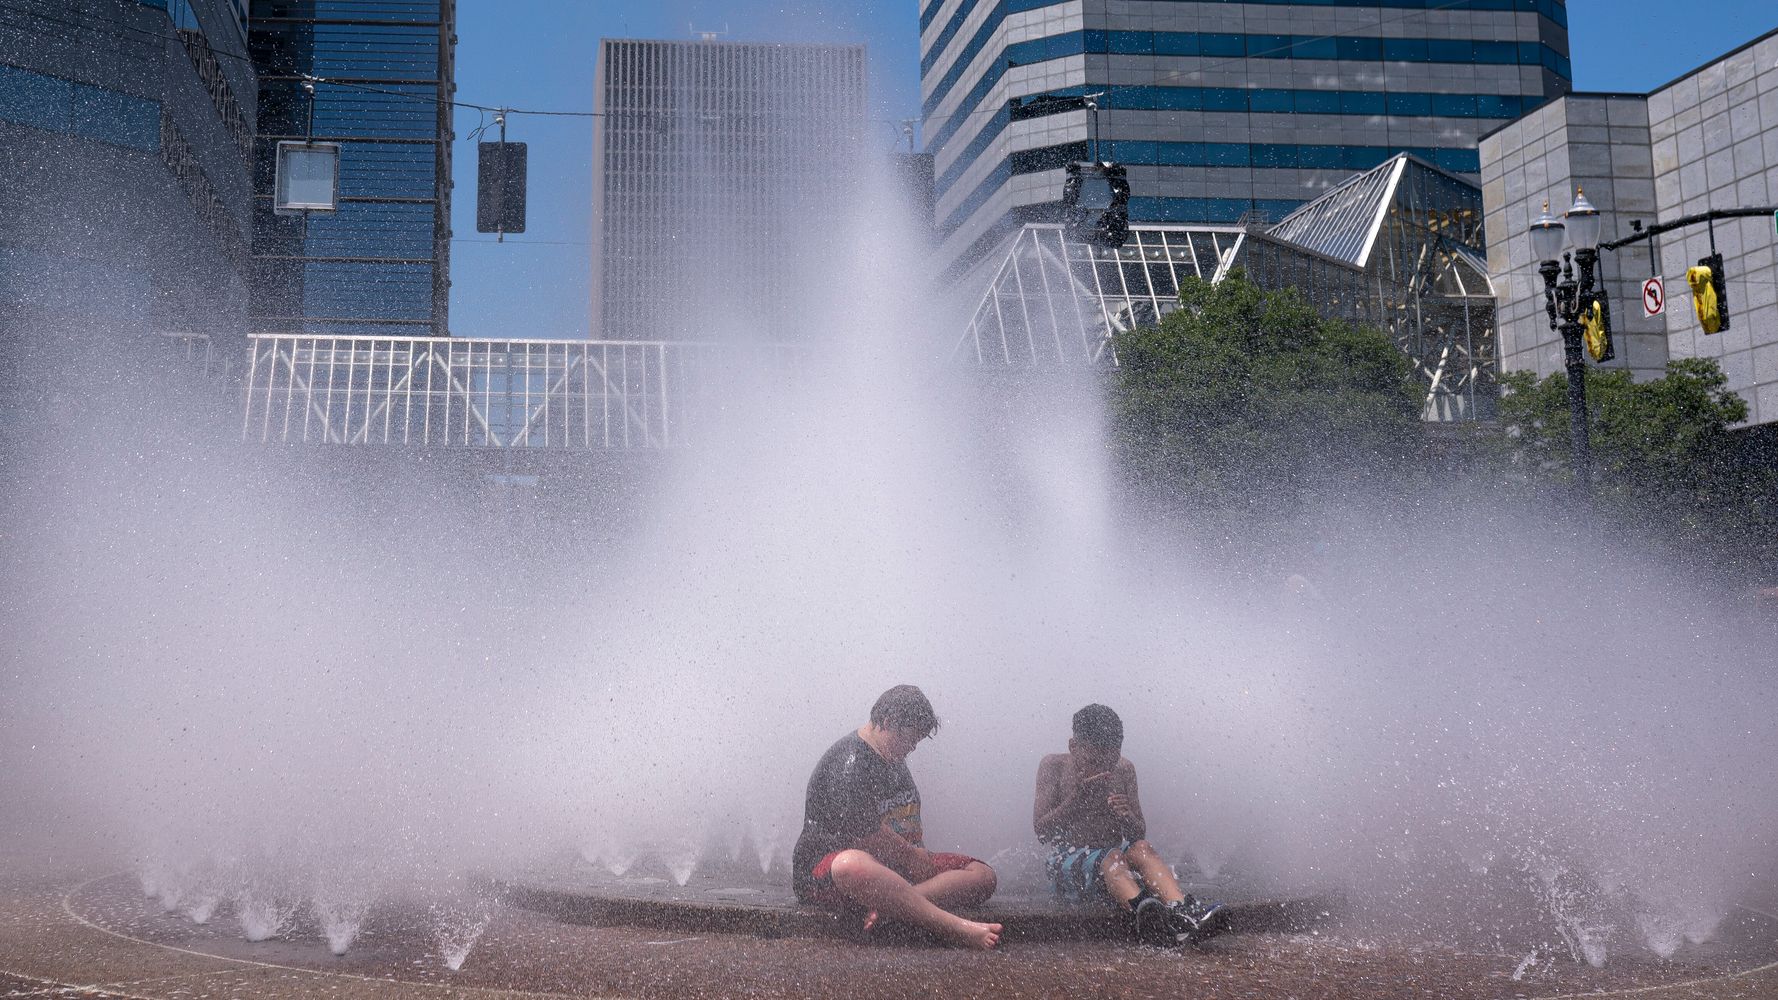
825, 894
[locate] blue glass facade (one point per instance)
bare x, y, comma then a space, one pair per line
68, 107
380, 265
1220, 109
124, 152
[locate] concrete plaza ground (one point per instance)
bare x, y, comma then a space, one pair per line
97, 935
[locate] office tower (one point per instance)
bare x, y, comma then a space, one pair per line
719, 171
1221, 111
125, 147
380, 266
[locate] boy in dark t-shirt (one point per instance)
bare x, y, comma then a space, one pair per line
862, 844
1090, 814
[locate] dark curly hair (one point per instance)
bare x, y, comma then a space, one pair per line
904, 706
1099, 726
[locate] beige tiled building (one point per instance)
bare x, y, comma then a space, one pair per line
1706, 141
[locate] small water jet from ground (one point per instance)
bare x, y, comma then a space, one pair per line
681, 858
263, 913
619, 860
456, 927
1668, 916
768, 844
201, 906
341, 915
1575, 903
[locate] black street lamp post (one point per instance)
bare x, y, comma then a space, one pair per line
1567, 298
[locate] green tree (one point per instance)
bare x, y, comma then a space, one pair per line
1249, 403
1667, 464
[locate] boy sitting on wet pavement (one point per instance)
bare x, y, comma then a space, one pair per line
1088, 811
862, 848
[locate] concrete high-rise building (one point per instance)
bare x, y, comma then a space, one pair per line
1706, 141
717, 169
380, 266
1219, 110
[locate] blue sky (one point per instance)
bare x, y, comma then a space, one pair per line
541, 53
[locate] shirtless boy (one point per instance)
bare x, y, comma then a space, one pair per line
862, 847
1089, 813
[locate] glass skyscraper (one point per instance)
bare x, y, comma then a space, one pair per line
1221, 111
380, 266
125, 190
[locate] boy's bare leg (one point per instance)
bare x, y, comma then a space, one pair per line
867, 882
1154, 872
970, 885
1120, 882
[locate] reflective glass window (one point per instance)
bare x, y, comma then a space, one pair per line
108, 116
1223, 99
1368, 49
1176, 43
1410, 104
1277, 46
1325, 102
1454, 105
34, 99
1404, 49
1270, 100
1359, 102
1320, 157
1226, 154
1316, 48
1131, 42
1223, 45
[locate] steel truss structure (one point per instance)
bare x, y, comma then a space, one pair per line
464, 393
1398, 247
1057, 300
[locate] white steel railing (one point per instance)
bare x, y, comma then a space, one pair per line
459, 392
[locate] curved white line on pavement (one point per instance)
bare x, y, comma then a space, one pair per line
58, 986
68, 908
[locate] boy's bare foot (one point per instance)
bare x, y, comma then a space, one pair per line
970, 934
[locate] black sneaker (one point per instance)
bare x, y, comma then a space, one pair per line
1195, 920
1154, 922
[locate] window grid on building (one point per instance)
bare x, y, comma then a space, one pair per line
713, 164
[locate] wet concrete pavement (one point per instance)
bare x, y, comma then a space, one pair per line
85, 936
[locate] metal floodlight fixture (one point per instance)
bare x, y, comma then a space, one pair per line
1548, 234
308, 178
1096, 203
1584, 222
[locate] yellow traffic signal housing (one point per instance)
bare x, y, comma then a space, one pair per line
1709, 293
1595, 325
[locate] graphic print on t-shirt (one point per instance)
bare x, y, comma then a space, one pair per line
901, 815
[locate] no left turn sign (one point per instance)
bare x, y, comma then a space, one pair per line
1654, 297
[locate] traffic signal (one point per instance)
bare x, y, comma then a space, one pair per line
500, 187
1709, 293
1595, 325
